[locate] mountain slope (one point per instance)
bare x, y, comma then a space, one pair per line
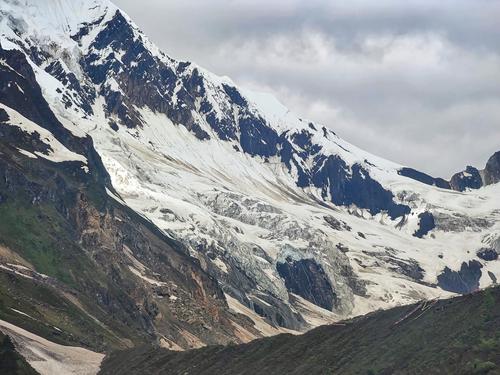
295, 225
456, 336
77, 266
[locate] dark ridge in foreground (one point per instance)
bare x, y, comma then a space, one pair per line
455, 336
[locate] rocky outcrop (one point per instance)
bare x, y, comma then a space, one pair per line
353, 186
20, 91
491, 173
456, 222
463, 281
307, 279
425, 224
337, 224
409, 268
472, 178
424, 178
468, 179
487, 254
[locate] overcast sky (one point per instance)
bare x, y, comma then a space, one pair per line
417, 82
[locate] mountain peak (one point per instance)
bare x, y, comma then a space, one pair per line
64, 16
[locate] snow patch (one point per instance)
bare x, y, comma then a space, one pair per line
49, 358
58, 152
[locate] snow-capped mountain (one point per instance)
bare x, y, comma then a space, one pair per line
297, 226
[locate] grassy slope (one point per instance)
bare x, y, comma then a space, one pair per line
42, 237
456, 336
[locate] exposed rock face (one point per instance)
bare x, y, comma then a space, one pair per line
307, 279
491, 172
487, 254
424, 178
425, 224
471, 178
468, 179
492, 277
460, 222
464, 281
337, 224
354, 185
3, 115
409, 268
166, 295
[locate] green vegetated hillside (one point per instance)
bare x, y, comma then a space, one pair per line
455, 336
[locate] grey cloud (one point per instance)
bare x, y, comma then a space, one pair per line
416, 82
